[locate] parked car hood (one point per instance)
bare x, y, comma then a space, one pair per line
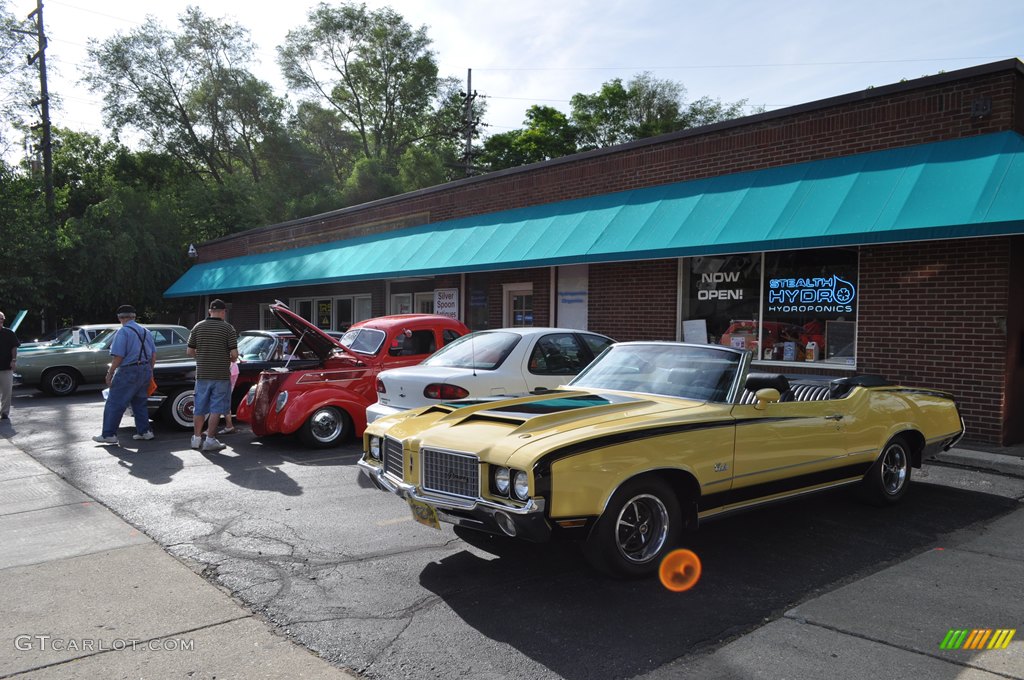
497, 430
314, 338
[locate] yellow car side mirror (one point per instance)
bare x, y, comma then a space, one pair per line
766, 395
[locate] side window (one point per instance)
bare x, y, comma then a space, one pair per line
596, 343
420, 342
557, 354
161, 338
448, 335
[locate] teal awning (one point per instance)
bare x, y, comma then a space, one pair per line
960, 188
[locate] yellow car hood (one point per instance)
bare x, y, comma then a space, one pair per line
496, 431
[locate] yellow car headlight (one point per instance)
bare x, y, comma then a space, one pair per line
502, 477
521, 485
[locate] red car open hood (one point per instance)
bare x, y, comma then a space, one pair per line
314, 338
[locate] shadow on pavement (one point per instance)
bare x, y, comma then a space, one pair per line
540, 599
255, 470
153, 465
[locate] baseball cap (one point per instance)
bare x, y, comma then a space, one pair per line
218, 304
125, 310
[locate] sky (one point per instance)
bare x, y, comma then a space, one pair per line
526, 52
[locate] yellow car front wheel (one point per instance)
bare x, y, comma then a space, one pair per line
641, 524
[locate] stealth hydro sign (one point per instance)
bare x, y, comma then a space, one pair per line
824, 295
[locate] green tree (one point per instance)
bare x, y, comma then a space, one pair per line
377, 73
26, 277
369, 181
17, 85
190, 93
548, 134
643, 107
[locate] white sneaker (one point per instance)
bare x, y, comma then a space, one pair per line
100, 439
145, 435
197, 442
212, 444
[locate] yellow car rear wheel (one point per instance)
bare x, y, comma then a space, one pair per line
888, 479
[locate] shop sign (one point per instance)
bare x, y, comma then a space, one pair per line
828, 295
446, 302
705, 292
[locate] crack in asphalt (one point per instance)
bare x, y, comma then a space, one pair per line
412, 610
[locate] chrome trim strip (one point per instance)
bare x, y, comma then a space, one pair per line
534, 505
726, 509
816, 461
956, 440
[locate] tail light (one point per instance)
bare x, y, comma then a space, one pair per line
444, 391
380, 387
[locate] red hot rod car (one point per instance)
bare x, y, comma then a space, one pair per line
326, 404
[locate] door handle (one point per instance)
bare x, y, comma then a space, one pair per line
837, 416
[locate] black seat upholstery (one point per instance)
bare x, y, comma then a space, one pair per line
760, 381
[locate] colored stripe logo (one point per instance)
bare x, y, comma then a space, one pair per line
978, 638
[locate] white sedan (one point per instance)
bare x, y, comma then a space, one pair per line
504, 362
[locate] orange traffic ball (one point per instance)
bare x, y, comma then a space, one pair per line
680, 570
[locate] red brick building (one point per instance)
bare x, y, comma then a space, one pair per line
878, 232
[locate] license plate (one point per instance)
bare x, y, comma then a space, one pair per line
424, 514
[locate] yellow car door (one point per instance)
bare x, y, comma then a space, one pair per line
783, 446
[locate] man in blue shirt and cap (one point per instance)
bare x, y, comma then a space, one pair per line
133, 353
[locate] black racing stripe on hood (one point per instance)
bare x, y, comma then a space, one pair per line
557, 405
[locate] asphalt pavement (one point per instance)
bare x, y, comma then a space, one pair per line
88, 595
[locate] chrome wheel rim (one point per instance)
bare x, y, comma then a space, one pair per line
641, 528
185, 408
325, 425
62, 383
895, 465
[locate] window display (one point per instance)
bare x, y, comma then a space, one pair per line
807, 294
724, 293
787, 306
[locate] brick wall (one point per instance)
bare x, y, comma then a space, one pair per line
634, 300
930, 316
494, 283
926, 110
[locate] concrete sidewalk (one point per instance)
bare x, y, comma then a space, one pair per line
86, 595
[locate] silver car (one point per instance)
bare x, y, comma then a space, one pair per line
60, 372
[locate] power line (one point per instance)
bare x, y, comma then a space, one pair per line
727, 66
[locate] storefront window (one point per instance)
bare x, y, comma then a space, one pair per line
791, 306
724, 300
810, 306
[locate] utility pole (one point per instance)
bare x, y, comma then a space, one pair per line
469, 121
44, 107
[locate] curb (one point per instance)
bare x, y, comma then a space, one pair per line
981, 460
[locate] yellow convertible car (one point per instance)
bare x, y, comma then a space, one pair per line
648, 440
